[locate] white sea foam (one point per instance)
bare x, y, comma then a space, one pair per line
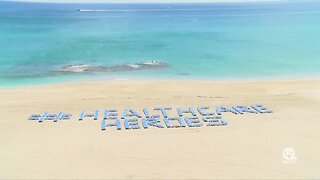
133, 65
78, 68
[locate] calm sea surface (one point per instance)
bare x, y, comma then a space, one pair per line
196, 41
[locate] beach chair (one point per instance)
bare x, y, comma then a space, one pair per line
261, 109
202, 113
118, 124
34, 117
82, 114
96, 115
146, 112
43, 117
193, 122
66, 116
190, 110
221, 109
244, 109
151, 122
103, 125
57, 117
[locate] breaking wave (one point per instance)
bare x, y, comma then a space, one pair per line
78, 68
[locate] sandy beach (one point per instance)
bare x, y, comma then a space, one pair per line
251, 146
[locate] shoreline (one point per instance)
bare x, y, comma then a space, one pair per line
103, 80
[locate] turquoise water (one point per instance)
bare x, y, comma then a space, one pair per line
197, 41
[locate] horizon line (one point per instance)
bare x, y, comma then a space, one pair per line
141, 2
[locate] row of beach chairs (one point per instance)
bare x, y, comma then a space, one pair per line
131, 113
47, 116
155, 122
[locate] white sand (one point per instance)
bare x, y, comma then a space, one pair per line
249, 147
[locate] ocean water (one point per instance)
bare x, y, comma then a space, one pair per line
196, 41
